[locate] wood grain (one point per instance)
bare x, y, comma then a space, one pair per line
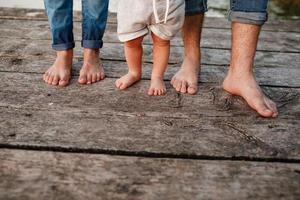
211, 123
46, 175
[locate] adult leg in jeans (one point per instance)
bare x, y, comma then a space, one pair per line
247, 16
94, 14
60, 19
186, 79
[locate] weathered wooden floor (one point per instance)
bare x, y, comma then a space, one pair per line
95, 142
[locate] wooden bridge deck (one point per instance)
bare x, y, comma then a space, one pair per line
95, 142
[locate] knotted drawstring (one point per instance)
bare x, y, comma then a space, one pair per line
166, 13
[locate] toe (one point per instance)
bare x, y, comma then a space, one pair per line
123, 86
265, 112
98, 76
94, 78
272, 106
150, 92
159, 92
178, 86
183, 87
63, 83
89, 79
82, 78
45, 77
192, 89
55, 80
102, 75
262, 109
50, 79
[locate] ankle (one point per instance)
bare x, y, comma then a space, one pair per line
65, 54
240, 73
91, 55
157, 76
135, 74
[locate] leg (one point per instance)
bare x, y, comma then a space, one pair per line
186, 79
60, 19
93, 26
161, 52
240, 78
133, 54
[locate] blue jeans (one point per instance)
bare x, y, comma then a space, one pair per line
243, 11
60, 16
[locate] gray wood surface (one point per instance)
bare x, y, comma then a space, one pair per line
31, 175
270, 76
40, 49
211, 123
95, 142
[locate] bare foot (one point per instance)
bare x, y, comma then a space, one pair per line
157, 87
92, 70
246, 86
186, 79
127, 80
60, 72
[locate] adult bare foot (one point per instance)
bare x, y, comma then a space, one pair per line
186, 79
127, 80
60, 72
92, 70
157, 87
251, 92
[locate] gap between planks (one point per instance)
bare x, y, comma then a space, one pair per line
144, 154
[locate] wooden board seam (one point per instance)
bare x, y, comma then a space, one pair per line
145, 154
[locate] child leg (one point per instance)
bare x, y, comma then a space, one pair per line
133, 54
161, 53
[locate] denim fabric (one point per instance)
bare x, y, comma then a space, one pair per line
243, 11
60, 16
248, 11
194, 7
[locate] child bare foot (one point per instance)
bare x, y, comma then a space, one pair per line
251, 92
157, 87
127, 80
60, 72
92, 70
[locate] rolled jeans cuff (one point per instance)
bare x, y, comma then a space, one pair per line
256, 18
63, 47
92, 44
195, 7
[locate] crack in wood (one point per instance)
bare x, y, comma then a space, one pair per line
144, 154
251, 138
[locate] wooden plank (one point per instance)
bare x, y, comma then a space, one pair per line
46, 175
212, 37
40, 49
272, 76
211, 22
211, 123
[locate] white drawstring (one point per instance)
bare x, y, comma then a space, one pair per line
166, 13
